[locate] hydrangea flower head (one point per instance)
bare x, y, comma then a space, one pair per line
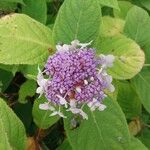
76, 77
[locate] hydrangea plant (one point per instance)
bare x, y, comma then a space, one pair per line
75, 77
90, 93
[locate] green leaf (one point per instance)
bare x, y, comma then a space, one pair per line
36, 10
28, 88
7, 7
111, 26
110, 3
30, 71
146, 4
42, 117
12, 130
28, 40
145, 137
103, 130
10, 68
137, 24
77, 19
13, 1
137, 27
65, 146
5, 77
4, 143
129, 58
128, 100
142, 86
124, 8
137, 145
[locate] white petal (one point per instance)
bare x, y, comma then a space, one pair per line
93, 108
46, 106
39, 76
102, 107
75, 43
72, 103
78, 89
66, 47
61, 91
111, 88
62, 100
58, 113
83, 114
83, 45
90, 104
39, 90
43, 82
92, 78
54, 113
79, 111
61, 115
39, 70
100, 71
108, 78
85, 82
109, 60
58, 47
74, 110
94, 100
40, 79
63, 48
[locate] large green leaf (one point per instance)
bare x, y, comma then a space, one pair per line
137, 27
28, 88
110, 3
23, 40
103, 130
30, 71
65, 146
12, 130
129, 58
137, 144
142, 86
36, 10
124, 8
77, 19
146, 4
13, 1
111, 26
42, 117
7, 7
4, 143
145, 137
5, 78
128, 100
10, 68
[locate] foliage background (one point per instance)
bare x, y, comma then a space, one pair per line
29, 31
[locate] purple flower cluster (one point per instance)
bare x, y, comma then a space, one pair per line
76, 77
